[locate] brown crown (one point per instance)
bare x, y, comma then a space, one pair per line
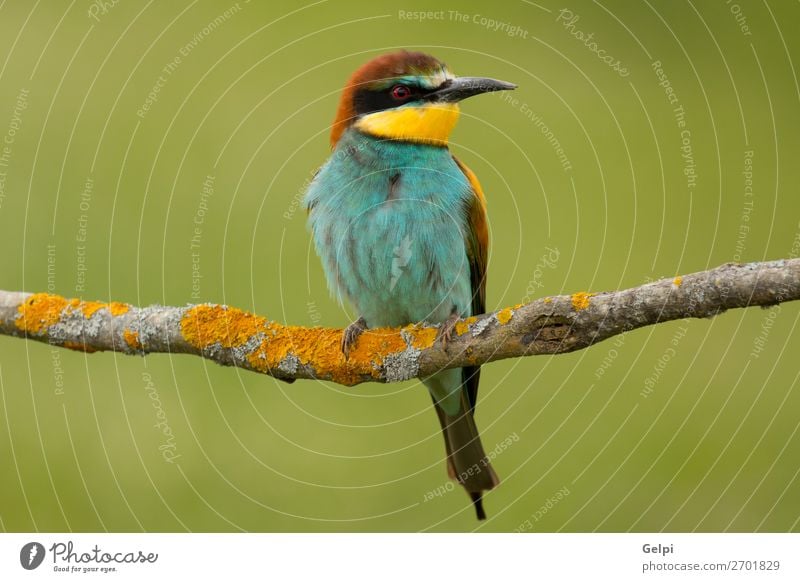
386, 66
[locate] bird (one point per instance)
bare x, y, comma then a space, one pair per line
401, 228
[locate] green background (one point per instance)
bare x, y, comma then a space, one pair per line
712, 447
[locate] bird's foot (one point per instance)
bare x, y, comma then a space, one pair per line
447, 328
351, 334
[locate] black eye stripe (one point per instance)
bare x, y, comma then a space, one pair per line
371, 100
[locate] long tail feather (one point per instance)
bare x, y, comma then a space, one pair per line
477, 501
467, 462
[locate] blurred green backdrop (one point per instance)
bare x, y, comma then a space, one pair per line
114, 117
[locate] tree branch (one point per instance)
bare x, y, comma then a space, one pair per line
551, 325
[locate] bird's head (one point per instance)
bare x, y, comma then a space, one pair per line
406, 96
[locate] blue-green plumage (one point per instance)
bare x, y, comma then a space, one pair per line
389, 221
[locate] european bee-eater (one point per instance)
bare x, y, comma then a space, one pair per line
400, 225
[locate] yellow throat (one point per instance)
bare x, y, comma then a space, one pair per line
430, 123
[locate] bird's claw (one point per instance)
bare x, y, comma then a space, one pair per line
447, 328
351, 334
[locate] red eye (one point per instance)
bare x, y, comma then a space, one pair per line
400, 92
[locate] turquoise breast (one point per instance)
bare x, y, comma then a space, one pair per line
389, 220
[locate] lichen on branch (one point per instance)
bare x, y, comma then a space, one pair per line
549, 325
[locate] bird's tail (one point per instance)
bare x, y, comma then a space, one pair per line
467, 463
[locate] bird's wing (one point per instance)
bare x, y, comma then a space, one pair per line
477, 246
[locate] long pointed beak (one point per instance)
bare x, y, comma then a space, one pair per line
462, 87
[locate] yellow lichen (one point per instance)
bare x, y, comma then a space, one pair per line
206, 325
89, 308
504, 316
116, 308
548, 299
374, 344
462, 326
580, 300
422, 337
322, 348
277, 344
132, 339
677, 281
40, 311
